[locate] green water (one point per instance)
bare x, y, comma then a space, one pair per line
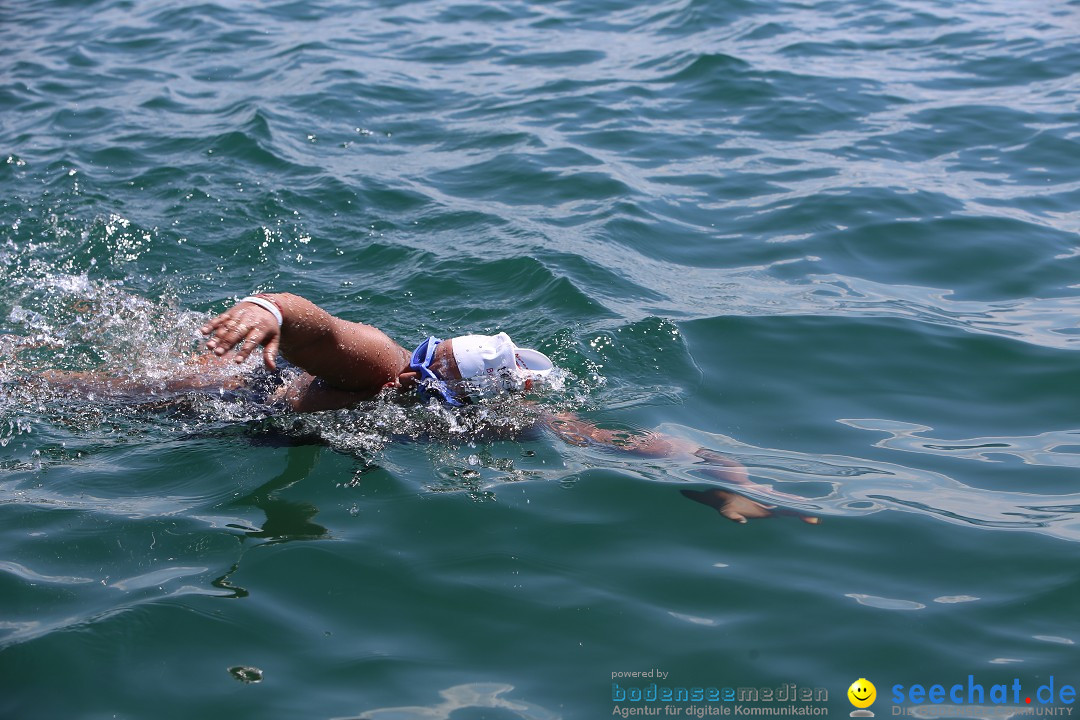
836, 242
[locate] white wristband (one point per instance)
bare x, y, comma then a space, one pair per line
266, 305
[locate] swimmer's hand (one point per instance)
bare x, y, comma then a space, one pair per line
242, 328
741, 509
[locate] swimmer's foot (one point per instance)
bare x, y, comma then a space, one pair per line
741, 509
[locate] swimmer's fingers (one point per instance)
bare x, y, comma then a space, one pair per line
733, 515
226, 330
252, 312
220, 330
808, 519
245, 325
270, 351
214, 323
252, 338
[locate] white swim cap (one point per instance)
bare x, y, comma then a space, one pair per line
493, 363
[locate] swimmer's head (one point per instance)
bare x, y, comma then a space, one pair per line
493, 363
477, 366
490, 364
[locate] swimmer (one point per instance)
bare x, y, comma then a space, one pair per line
346, 362
314, 361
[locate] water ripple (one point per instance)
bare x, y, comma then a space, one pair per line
1049, 449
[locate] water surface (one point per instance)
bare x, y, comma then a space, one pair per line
834, 241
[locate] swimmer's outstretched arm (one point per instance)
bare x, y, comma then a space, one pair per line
344, 355
731, 505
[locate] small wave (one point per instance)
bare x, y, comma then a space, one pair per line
1041, 321
1056, 448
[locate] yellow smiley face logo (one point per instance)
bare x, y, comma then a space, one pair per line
862, 693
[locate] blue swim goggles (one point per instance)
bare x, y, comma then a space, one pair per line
430, 384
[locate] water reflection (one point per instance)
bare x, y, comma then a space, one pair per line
460, 697
149, 560
286, 519
1055, 448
